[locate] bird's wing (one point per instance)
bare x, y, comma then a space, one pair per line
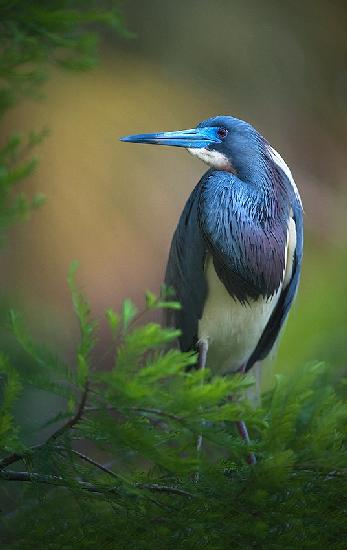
185, 273
289, 288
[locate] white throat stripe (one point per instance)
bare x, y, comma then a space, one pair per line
212, 158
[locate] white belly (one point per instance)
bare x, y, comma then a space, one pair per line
231, 329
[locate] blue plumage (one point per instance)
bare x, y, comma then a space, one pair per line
236, 254
278, 317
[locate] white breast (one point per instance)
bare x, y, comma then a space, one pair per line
233, 329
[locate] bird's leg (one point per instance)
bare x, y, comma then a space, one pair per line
242, 429
202, 350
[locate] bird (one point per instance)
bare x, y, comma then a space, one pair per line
236, 254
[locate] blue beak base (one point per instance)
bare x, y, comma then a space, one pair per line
195, 138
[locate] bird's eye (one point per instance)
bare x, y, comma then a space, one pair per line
222, 133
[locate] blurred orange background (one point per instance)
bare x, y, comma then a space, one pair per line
114, 206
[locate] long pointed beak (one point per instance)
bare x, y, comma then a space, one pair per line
195, 138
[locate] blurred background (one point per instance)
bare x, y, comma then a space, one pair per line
114, 207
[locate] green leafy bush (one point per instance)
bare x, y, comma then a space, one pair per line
137, 487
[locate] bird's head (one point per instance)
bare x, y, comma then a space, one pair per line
222, 142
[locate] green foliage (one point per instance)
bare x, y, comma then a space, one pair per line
87, 328
15, 166
11, 388
140, 420
33, 36
43, 369
153, 302
116, 463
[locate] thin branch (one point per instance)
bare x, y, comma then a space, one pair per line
11, 459
90, 461
15, 457
164, 489
98, 409
157, 412
75, 419
10, 475
327, 474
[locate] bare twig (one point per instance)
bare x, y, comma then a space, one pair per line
321, 472
159, 412
11, 459
98, 409
90, 461
15, 457
164, 489
33, 477
75, 419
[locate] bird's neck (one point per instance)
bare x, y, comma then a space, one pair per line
249, 162
256, 170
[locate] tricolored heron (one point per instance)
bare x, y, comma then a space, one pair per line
235, 257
